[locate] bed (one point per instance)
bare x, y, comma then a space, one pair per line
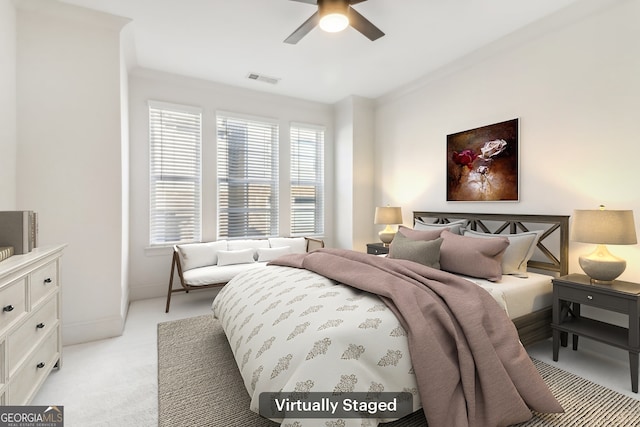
285, 323
551, 259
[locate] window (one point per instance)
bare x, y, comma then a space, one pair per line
247, 177
175, 135
307, 180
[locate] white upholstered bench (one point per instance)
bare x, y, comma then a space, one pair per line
213, 264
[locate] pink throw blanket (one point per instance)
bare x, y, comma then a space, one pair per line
470, 366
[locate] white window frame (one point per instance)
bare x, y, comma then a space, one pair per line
256, 210
307, 179
175, 173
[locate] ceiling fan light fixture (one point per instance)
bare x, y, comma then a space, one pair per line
334, 16
334, 22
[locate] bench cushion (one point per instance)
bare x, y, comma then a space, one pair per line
298, 245
268, 254
194, 255
216, 273
235, 245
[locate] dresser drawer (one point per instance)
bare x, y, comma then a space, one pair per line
44, 280
31, 333
594, 298
12, 303
26, 381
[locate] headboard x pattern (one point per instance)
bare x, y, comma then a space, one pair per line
553, 242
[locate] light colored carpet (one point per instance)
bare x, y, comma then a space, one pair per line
200, 385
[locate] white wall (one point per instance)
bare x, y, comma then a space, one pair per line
150, 268
69, 156
125, 47
576, 91
354, 166
7, 105
343, 122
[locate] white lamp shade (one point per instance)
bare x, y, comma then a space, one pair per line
388, 215
604, 227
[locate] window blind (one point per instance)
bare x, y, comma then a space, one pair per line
247, 177
307, 180
175, 134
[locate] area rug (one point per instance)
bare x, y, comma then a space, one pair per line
200, 385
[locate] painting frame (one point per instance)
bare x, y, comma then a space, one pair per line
483, 164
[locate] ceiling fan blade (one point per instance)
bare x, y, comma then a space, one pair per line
354, 1
363, 25
304, 29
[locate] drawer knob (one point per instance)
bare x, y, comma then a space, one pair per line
47, 280
40, 365
7, 308
589, 297
40, 325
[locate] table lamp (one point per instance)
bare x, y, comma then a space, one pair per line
603, 227
389, 216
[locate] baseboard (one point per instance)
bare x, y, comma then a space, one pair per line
147, 291
82, 332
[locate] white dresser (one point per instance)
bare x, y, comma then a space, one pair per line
30, 325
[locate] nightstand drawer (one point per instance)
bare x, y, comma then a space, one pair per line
593, 298
377, 249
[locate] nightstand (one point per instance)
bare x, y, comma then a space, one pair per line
569, 292
377, 248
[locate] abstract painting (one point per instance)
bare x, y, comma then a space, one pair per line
483, 163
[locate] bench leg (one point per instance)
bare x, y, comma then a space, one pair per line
173, 265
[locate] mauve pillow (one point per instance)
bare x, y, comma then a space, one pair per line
472, 256
421, 251
420, 234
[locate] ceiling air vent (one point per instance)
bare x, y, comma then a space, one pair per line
263, 78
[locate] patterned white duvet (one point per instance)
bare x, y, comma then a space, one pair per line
294, 330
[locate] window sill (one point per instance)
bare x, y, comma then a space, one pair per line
159, 250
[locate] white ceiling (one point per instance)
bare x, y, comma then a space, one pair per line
225, 40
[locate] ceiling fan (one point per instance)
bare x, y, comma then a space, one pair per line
334, 16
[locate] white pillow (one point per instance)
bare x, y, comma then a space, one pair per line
254, 244
518, 253
268, 254
194, 255
454, 227
242, 256
298, 245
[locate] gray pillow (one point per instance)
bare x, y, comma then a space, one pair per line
420, 251
455, 226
